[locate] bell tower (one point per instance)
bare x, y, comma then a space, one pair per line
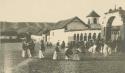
93, 18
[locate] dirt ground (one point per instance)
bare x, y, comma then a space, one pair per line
12, 62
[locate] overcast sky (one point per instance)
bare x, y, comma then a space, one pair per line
53, 10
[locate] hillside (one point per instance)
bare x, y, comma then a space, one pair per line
21, 27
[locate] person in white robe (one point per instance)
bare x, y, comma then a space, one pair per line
76, 54
105, 50
42, 49
29, 53
55, 54
26, 50
66, 57
24, 47
109, 51
92, 49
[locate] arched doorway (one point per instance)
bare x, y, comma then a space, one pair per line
99, 36
74, 37
77, 37
81, 37
94, 36
109, 28
85, 37
89, 36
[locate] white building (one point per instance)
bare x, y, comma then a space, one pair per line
74, 29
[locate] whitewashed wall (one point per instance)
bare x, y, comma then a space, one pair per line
60, 35
37, 38
57, 35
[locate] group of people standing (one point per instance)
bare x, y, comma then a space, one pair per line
30, 46
69, 51
27, 48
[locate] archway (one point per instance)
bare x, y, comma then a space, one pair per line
89, 36
74, 37
94, 36
85, 37
81, 37
109, 28
77, 37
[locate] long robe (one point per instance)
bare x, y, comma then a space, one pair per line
92, 49
41, 54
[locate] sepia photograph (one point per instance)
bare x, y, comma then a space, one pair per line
62, 36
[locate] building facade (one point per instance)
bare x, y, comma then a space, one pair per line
74, 29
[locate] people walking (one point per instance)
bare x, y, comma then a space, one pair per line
24, 48
56, 52
31, 47
42, 49
26, 51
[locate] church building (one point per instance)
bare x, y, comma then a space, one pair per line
74, 29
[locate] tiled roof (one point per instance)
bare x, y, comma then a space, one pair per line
63, 23
93, 14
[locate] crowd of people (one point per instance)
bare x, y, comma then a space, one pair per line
70, 50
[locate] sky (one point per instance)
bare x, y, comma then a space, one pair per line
53, 10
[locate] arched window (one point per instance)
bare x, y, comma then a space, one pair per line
81, 37
95, 21
88, 21
94, 36
74, 37
85, 37
99, 36
89, 36
77, 37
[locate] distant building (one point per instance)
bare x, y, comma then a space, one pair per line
8, 36
74, 29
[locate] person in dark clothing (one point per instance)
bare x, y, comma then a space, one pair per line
28, 36
56, 52
69, 52
31, 47
58, 44
26, 49
42, 46
63, 45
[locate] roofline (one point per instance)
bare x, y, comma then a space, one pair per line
71, 21
113, 11
78, 19
80, 30
93, 16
